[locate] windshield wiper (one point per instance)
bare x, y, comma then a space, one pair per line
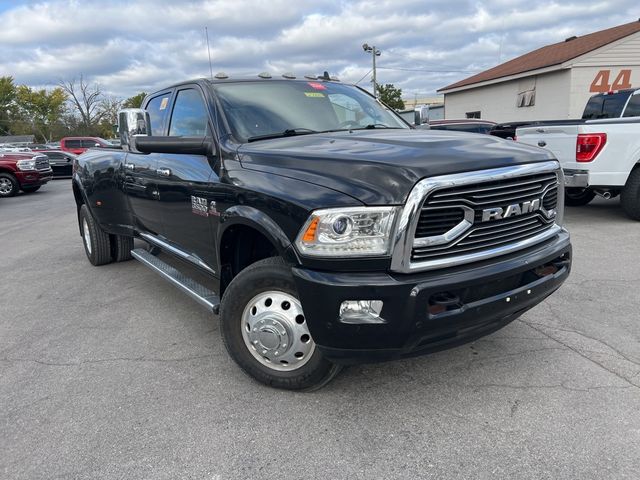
371, 126
289, 132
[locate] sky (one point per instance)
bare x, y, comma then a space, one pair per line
131, 46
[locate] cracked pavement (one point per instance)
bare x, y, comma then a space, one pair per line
112, 373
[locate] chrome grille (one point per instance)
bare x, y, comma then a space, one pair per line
42, 162
438, 221
492, 233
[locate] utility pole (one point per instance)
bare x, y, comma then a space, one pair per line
374, 53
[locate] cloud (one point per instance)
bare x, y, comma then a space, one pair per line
129, 46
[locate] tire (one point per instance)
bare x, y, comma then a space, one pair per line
577, 197
30, 189
97, 244
630, 198
263, 299
121, 247
8, 185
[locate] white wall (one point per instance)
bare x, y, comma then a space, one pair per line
499, 102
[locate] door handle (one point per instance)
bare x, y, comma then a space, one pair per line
164, 172
130, 166
542, 143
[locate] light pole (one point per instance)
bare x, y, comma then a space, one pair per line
374, 53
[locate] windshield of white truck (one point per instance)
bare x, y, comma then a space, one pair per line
271, 109
606, 105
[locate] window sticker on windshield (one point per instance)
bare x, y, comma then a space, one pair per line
316, 86
314, 94
164, 103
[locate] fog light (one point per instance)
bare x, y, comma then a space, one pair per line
361, 311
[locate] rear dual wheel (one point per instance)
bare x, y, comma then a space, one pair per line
265, 330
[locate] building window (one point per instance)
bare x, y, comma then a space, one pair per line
475, 114
526, 98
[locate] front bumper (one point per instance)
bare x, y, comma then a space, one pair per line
34, 178
576, 178
489, 295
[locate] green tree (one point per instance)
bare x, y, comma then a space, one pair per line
7, 104
391, 96
40, 109
135, 101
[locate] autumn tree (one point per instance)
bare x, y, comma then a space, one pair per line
135, 101
40, 110
391, 96
7, 104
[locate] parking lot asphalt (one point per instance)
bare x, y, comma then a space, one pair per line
111, 372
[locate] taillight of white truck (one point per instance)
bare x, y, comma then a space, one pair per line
589, 145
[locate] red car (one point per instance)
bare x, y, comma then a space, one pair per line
79, 145
23, 171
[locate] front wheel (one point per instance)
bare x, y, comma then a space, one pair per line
576, 197
265, 330
8, 185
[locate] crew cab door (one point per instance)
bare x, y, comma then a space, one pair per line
187, 183
140, 172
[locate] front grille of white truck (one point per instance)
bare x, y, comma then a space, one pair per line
461, 218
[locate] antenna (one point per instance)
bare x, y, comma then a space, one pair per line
206, 32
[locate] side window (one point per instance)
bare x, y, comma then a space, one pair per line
72, 144
633, 107
158, 107
189, 117
89, 143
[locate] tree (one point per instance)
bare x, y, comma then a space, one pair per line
86, 101
40, 110
391, 96
135, 101
7, 104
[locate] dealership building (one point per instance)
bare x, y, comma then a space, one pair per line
552, 82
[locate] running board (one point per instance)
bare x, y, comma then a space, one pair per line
195, 290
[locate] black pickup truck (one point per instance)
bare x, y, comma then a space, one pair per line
331, 231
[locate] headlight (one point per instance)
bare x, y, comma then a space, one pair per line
348, 232
26, 165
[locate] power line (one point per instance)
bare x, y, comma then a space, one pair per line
364, 76
426, 70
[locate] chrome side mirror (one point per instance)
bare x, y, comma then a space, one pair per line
132, 122
421, 114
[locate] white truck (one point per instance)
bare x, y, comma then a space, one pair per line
600, 154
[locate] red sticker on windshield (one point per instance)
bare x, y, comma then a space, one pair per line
317, 86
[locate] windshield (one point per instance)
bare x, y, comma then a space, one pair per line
279, 108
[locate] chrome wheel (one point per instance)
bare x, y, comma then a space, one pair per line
5, 186
86, 236
275, 331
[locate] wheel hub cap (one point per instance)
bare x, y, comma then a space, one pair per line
5, 186
275, 331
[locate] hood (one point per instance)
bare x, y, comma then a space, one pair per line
379, 167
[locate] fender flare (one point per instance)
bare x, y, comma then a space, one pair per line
260, 221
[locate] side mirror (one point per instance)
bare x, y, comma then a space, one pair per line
421, 114
132, 122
